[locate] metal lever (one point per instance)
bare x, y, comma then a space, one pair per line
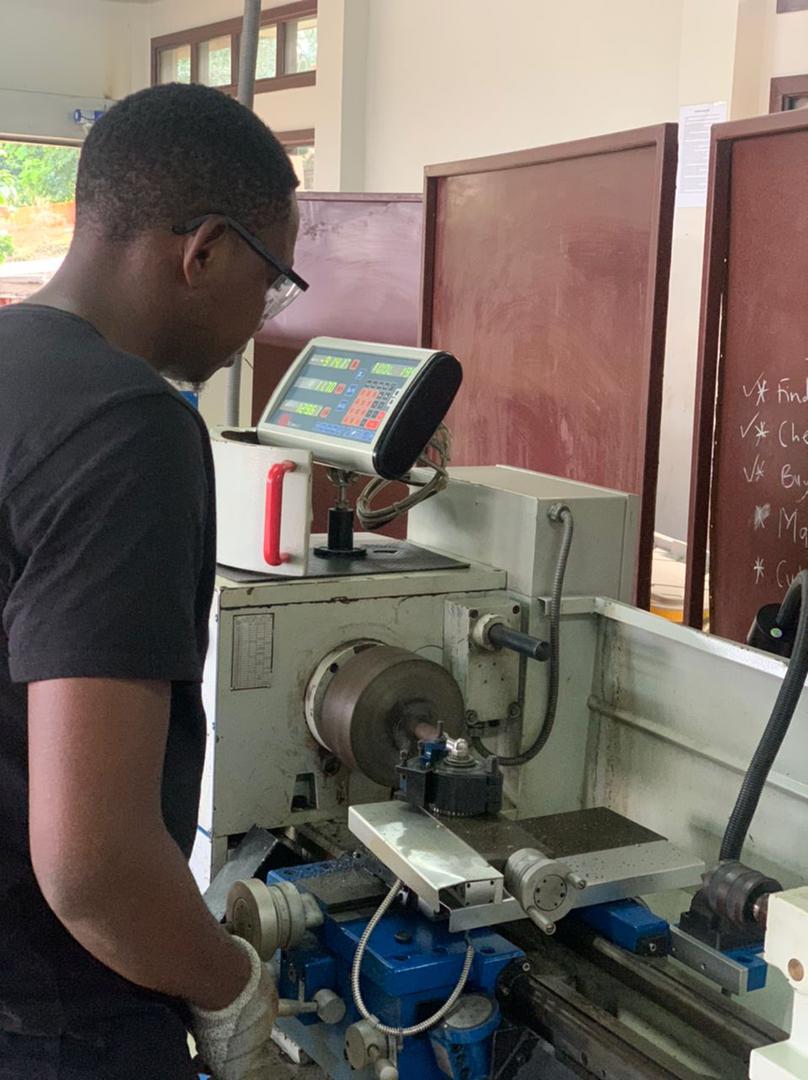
383, 1067
491, 632
329, 1007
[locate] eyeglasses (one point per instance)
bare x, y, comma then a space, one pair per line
286, 287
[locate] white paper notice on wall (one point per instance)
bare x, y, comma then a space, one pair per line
695, 122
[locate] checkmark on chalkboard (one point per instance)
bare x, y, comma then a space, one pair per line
745, 430
756, 472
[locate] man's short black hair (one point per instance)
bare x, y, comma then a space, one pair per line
163, 156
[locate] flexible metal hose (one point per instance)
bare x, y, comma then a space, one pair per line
564, 515
772, 739
425, 1025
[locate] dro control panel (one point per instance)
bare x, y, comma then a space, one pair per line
361, 407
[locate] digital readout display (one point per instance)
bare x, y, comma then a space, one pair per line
343, 395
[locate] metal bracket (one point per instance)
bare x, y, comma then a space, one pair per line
714, 965
570, 605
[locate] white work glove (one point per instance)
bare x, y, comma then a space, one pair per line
234, 1041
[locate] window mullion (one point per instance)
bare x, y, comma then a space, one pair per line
235, 45
280, 63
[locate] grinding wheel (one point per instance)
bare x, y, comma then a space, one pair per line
383, 700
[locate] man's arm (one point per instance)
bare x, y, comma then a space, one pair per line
100, 850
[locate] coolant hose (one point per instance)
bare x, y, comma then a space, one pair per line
356, 971
564, 515
794, 606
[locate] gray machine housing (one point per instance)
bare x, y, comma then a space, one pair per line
269, 636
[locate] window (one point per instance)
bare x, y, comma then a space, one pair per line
37, 212
301, 45
175, 64
267, 65
287, 51
788, 92
299, 145
216, 61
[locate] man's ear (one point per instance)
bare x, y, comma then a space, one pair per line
198, 248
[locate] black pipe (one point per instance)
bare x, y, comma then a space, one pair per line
794, 608
525, 644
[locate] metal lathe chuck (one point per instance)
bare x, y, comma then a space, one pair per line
367, 702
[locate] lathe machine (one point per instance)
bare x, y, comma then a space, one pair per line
463, 797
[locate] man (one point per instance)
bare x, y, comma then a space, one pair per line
185, 229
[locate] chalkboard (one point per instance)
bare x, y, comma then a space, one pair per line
546, 272
750, 462
361, 255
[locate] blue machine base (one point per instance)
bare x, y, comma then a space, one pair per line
630, 925
633, 927
752, 960
410, 968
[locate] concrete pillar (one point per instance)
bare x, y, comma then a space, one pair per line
341, 92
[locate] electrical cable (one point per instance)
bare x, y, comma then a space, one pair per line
436, 457
776, 729
563, 514
430, 1022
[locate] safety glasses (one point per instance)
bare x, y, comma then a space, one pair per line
287, 285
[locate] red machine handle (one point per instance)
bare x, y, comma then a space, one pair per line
273, 510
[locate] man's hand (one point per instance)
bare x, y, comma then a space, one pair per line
234, 1042
103, 858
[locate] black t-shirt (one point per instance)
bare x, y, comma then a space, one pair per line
107, 559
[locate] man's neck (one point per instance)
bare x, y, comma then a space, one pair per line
94, 285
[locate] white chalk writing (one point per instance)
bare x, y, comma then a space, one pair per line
761, 514
790, 526
789, 433
760, 387
745, 430
757, 471
792, 481
784, 575
787, 396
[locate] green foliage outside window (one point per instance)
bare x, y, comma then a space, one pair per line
307, 48
219, 73
31, 173
6, 190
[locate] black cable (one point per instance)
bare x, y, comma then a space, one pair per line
772, 739
561, 514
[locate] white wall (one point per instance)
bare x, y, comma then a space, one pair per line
55, 57
342, 93
459, 78
707, 50
787, 43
